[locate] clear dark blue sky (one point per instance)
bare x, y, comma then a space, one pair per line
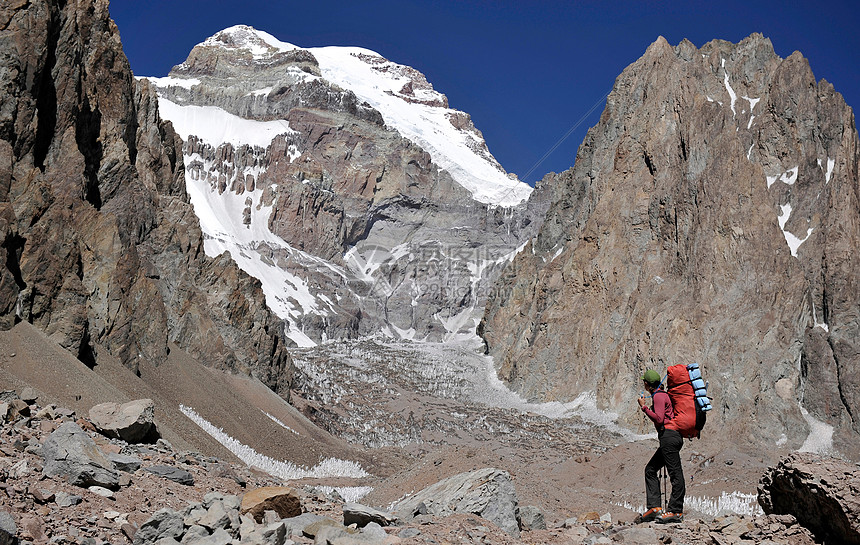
525, 71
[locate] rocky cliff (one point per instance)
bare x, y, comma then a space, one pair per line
711, 216
100, 246
346, 184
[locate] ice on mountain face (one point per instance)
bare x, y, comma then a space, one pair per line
789, 176
221, 220
422, 119
261, 92
185, 83
784, 213
223, 215
829, 173
753, 102
729, 89
793, 241
816, 323
216, 126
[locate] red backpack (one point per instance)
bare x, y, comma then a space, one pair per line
687, 391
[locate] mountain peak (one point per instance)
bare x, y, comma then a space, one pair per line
407, 102
259, 43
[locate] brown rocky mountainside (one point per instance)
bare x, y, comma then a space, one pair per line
711, 216
100, 246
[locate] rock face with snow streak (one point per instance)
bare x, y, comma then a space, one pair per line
345, 184
100, 246
711, 216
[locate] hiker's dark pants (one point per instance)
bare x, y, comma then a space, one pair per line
669, 455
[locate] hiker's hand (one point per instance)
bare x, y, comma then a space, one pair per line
641, 401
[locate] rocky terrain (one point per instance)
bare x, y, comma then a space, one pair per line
63, 481
711, 216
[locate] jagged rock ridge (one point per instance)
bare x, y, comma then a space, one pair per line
305, 165
711, 216
100, 246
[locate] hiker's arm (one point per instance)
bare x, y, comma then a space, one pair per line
657, 414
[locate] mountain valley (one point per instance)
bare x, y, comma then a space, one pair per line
322, 278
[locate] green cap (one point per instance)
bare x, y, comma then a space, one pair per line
651, 377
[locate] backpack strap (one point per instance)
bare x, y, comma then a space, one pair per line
659, 386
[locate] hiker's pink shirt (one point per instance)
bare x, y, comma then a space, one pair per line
661, 411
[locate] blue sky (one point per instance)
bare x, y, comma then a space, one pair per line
527, 72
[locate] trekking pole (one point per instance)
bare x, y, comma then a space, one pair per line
665, 476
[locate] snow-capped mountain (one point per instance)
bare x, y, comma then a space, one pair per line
402, 95
345, 183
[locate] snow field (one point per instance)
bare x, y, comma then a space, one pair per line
329, 467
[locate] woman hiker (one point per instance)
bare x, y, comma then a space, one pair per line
668, 454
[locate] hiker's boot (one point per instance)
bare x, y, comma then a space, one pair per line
652, 514
666, 518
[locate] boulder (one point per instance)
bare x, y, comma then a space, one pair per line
328, 534
219, 537
823, 494
71, 454
121, 462
101, 491
407, 533
172, 474
43, 496
271, 534
283, 500
296, 525
45, 413
31, 528
194, 533
63, 499
8, 528
216, 517
361, 515
131, 421
17, 407
29, 395
19, 469
314, 529
488, 493
530, 517
164, 523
